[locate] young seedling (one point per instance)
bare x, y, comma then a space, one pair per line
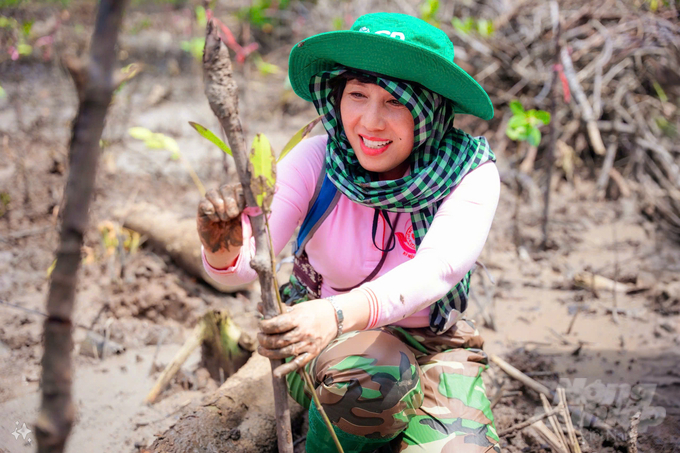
262, 167
524, 127
428, 11
155, 140
482, 27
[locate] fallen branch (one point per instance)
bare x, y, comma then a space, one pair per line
237, 418
95, 87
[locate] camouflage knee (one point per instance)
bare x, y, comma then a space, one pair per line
368, 383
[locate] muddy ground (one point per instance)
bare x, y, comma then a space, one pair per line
615, 352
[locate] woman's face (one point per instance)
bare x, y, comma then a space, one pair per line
379, 128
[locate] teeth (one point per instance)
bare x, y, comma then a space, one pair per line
372, 144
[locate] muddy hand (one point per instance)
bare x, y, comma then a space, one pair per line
304, 331
219, 218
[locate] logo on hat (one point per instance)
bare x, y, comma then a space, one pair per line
393, 34
365, 29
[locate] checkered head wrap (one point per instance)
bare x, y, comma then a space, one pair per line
442, 155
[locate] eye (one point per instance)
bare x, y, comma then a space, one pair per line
356, 95
396, 103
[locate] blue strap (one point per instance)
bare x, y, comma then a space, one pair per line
324, 202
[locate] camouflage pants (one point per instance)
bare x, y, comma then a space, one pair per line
415, 390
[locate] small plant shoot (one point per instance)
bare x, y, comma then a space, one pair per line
428, 12
262, 166
209, 135
298, 137
524, 124
482, 27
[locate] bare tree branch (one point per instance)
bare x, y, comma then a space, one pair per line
95, 88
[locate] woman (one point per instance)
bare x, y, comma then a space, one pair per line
396, 205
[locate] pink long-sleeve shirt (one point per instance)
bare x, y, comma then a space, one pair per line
342, 248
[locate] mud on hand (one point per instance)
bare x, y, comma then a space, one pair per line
218, 219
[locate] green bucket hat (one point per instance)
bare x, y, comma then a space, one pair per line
397, 46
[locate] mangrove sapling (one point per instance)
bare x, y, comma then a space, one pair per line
221, 92
263, 181
524, 127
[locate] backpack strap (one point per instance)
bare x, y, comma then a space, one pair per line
323, 201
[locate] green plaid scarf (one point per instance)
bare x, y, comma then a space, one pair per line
442, 155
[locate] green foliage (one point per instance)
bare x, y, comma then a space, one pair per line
263, 67
668, 128
8, 22
524, 124
482, 27
201, 17
155, 140
208, 134
195, 47
258, 15
4, 203
298, 137
262, 167
338, 23
428, 11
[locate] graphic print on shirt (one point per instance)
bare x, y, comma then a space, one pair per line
407, 242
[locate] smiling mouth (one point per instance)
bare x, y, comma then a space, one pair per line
374, 144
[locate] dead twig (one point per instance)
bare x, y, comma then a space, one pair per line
529, 422
586, 109
555, 15
633, 433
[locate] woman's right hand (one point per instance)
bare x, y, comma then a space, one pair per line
219, 219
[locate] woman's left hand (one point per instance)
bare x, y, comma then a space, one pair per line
304, 331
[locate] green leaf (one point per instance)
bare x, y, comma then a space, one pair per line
516, 108
24, 49
154, 140
542, 116
484, 27
171, 145
534, 137
266, 68
140, 133
298, 137
201, 18
517, 122
207, 133
516, 131
262, 167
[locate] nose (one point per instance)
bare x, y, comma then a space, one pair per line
373, 118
